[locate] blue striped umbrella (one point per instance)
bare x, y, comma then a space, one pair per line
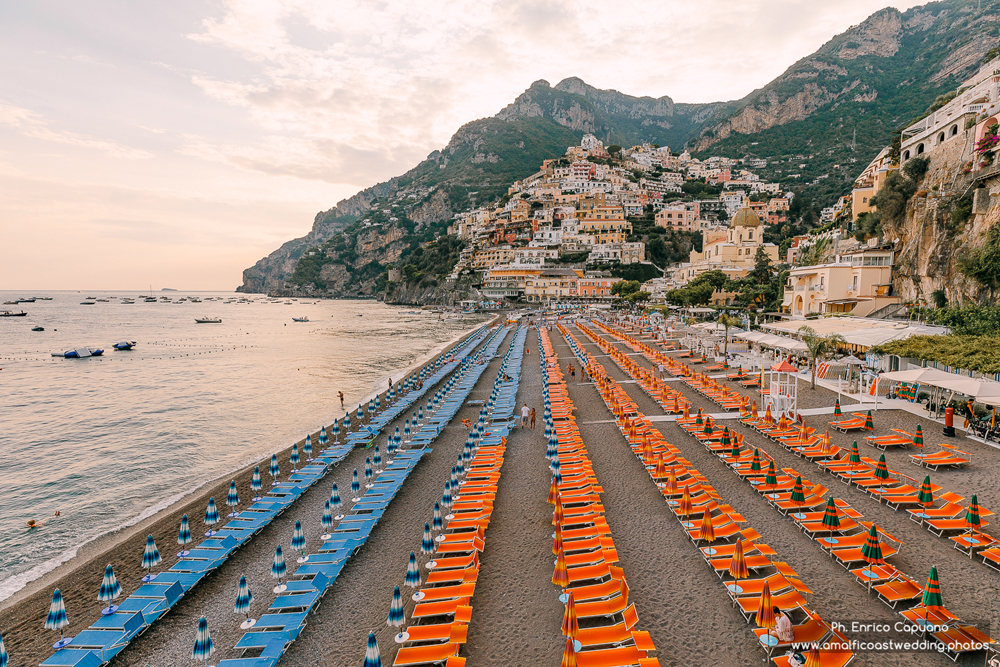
326, 521
335, 502
361, 414
406, 430
211, 516
459, 467
454, 474
378, 404
57, 620
396, 616
371, 407
110, 589
278, 569
377, 459
150, 558
395, 436
299, 539
4, 658
391, 395
324, 438
255, 484
203, 646
294, 459
427, 543
275, 470
307, 446
233, 498
347, 421
420, 413
355, 486
242, 605
336, 431
372, 657
368, 470
437, 524
412, 572
446, 496
184, 536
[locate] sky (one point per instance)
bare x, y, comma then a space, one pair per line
175, 144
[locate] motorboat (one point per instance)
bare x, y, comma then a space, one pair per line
11, 313
81, 353
124, 345
88, 303
300, 319
38, 328
208, 320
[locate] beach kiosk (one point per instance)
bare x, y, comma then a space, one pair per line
783, 388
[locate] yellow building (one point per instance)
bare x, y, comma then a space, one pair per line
552, 285
871, 180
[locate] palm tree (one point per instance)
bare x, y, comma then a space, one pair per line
727, 321
820, 347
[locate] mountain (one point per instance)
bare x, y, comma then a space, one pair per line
818, 124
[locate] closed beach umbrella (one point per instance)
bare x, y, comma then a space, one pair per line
412, 572
836, 407
557, 517
4, 658
855, 458
355, 486
560, 576
881, 468
661, 469
326, 521
274, 471
335, 502
294, 459
918, 437
446, 496
255, 484
299, 538
768, 418
203, 646
755, 461
372, 656
831, 519
243, 599
738, 563
570, 623
972, 516
336, 431
278, 569
406, 430
926, 496
377, 459
378, 404
57, 620
307, 447
684, 509
765, 610
771, 478
437, 523
557, 541
872, 549
827, 443
361, 414
698, 420
569, 654
707, 530
211, 516
427, 542
931, 599
232, 498
324, 438
184, 535
670, 486
869, 422
150, 558
813, 659
420, 413
347, 421
110, 589
371, 406
798, 492
396, 617
368, 469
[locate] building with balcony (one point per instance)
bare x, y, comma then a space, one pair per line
507, 283
595, 288
677, 217
552, 285
858, 283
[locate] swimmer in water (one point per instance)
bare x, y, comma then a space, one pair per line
38, 524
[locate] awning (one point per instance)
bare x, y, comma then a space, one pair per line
931, 376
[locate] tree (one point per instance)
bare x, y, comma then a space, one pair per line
614, 149
716, 279
820, 347
640, 296
623, 288
727, 322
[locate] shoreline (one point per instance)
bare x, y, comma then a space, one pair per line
190, 502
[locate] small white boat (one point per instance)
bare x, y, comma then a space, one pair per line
208, 320
300, 319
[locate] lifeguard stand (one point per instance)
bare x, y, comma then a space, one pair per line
783, 389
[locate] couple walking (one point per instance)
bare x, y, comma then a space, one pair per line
527, 415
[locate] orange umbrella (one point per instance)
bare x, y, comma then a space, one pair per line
569, 654
827, 444
684, 509
753, 410
560, 577
765, 610
767, 415
553, 491
647, 447
570, 624
813, 659
738, 564
671, 485
557, 541
557, 518
661, 468
707, 531
676, 407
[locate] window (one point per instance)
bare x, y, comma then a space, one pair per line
954, 130
920, 149
941, 138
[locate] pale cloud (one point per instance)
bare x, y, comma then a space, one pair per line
30, 124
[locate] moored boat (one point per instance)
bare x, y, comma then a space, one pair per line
124, 345
11, 313
208, 320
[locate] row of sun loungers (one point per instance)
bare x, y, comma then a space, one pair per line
608, 634
692, 499
846, 541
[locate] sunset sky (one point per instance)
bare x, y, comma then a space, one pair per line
175, 144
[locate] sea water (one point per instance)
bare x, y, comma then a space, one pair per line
110, 440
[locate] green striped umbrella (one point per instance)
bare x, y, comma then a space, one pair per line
755, 463
872, 549
708, 426
798, 492
771, 479
882, 470
869, 422
698, 419
830, 518
918, 438
836, 408
926, 496
932, 592
972, 516
855, 458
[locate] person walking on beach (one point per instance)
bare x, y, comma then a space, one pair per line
341, 394
532, 419
572, 371
525, 414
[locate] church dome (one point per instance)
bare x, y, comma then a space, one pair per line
745, 217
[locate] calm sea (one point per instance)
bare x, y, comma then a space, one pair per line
110, 440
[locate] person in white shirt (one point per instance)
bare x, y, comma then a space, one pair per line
525, 414
783, 626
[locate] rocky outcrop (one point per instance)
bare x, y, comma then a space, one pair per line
423, 295
879, 35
